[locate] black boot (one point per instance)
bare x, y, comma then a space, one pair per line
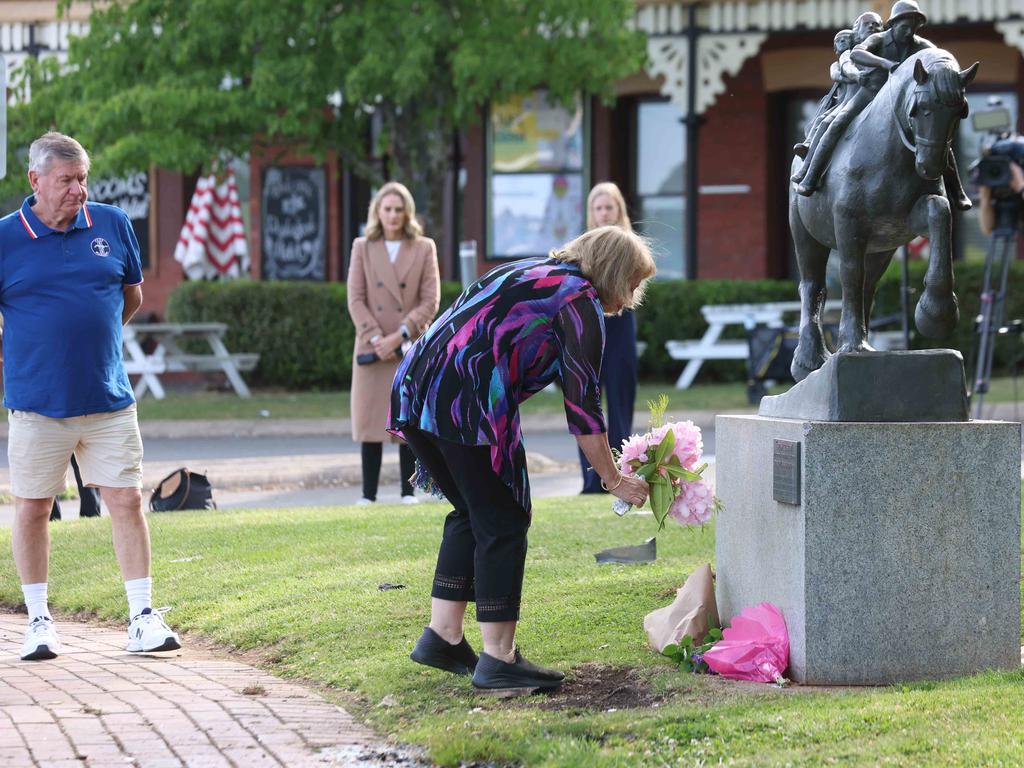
434, 651
521, 676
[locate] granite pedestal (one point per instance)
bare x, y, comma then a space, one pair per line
901, 558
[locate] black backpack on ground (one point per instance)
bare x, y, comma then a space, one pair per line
182, 489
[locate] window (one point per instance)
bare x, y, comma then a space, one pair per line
660, 183
537, 172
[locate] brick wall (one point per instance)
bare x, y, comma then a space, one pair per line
732, 230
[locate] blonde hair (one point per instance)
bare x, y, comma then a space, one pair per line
411, 230
611, 189
612, 259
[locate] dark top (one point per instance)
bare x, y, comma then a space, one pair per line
508, 336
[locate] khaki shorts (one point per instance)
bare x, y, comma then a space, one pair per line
108, 447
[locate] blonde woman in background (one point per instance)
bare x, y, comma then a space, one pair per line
606, 207
394, 291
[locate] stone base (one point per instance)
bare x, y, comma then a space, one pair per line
901, 561
920, 385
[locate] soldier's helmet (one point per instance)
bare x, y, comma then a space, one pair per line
904, 9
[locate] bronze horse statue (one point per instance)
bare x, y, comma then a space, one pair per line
883, 188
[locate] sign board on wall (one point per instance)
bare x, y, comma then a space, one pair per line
130, 193
294, 223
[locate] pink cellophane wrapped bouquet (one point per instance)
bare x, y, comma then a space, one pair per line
668, 457
755, 647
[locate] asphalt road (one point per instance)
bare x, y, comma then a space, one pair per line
559, 446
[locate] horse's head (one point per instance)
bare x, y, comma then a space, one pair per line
936, 108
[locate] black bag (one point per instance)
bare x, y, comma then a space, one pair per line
182, 489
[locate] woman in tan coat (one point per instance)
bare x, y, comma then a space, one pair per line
393, 294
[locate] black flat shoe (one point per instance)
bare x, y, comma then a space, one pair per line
520, 677
434, 651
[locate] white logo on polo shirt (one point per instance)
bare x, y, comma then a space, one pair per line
100, 247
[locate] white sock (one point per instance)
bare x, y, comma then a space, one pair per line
140, 595
36, 600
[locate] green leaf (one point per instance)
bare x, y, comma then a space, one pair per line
661, 499
647, 470
665, 447
669, 649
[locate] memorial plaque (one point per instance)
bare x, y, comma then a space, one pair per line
786, 474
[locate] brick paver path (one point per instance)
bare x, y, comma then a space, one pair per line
98, 706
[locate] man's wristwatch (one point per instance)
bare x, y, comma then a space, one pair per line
404, 330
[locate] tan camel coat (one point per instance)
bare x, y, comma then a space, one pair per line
382, 296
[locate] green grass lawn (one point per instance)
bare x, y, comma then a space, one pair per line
300, 586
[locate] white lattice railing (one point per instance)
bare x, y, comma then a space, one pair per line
780, 15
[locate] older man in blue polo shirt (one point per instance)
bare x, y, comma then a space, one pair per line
70, 277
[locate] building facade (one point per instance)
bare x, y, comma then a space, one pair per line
699, 141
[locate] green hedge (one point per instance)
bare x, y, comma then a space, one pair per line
301, 330
304, 335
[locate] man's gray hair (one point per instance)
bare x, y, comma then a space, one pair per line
55, 146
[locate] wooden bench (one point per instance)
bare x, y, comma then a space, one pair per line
169, 357
719, 317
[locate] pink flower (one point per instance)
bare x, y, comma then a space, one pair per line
634, 447
694, 504
689, 446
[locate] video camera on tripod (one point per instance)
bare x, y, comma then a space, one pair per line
1000, 146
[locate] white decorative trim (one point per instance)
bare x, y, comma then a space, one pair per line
668, 57
718, 56
1013, 33
777, 15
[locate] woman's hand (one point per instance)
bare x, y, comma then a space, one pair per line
385, 346
632, 490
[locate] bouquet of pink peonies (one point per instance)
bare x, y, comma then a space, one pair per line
668, 457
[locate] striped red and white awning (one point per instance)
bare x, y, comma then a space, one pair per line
212, 242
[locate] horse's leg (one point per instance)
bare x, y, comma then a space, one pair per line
875, 265
812, 258
937, 312
851, 242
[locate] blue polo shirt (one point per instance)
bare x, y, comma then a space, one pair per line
61, 296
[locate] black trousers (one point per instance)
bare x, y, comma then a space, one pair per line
372, 455
618, 382
483, 548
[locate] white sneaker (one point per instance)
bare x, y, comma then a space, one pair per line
41, 641
147, 633
365, 502
410, 500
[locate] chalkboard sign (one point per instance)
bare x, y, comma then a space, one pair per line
294, 222
131, 194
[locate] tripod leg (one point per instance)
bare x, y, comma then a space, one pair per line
1000, 250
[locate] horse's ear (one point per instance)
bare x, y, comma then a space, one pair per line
920, 73
967, 76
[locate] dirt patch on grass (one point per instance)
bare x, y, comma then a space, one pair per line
594, 686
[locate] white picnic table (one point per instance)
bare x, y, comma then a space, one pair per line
170, 357
711, 346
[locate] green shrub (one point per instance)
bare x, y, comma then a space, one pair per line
304, 334
301, 330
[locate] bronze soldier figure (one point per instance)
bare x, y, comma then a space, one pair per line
879, 55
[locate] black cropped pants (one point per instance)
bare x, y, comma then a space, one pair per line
483, 548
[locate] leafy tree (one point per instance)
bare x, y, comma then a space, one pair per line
177, 84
